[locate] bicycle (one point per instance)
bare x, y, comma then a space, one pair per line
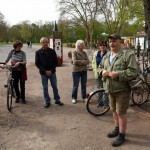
95, 101
10, 92
141, 90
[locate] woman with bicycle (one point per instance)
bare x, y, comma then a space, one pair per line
18, 62
97, 58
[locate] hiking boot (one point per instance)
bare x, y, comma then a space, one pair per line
23, 101
114, 133
120, 140
47, 105
17, 100
59, 103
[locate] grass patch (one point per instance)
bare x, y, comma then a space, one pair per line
3, 43
36, 44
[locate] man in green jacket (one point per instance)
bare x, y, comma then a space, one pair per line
117, 69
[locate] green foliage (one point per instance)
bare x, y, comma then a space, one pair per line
14, 33
71, 31
3, 43
82, 19
26, 31
3, 29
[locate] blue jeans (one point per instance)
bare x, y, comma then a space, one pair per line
53, 81
99, 82
104, 100
76, 78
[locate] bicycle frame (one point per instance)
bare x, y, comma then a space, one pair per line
96, 105
141, 91
9, 86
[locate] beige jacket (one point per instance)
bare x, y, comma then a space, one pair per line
80, 61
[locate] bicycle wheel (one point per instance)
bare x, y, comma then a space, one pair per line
9, 96
141, 94
93, 104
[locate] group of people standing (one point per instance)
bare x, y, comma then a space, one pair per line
110, 70
112, 73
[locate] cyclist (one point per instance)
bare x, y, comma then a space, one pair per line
18, 62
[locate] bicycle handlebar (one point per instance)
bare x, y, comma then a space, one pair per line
5, 66
2, 63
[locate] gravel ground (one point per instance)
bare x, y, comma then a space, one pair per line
71, 127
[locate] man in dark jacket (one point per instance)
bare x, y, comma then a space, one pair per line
46, 62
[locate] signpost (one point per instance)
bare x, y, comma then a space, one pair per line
56, 44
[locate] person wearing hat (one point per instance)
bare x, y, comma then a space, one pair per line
80, 61
117, 73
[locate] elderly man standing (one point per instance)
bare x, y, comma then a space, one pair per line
46, 62
117, 69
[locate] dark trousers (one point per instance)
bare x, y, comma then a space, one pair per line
76, 79
18, 82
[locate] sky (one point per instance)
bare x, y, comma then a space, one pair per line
16, 11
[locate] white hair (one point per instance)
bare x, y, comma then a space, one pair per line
43, 38
78, 43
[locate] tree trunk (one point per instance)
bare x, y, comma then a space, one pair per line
146, 4
88, 38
